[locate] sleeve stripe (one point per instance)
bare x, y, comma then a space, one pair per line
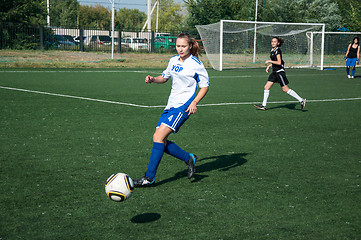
197, 60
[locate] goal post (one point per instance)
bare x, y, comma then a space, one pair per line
335, 47
238, 44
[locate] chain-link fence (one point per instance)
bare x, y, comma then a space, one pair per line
19, 36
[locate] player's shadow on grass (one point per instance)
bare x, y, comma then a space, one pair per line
145, 218
221, 163
291, 106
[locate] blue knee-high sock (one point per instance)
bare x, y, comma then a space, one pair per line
173, 149
348, 71
155, 157
353, 72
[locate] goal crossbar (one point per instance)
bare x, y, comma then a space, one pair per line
275, 23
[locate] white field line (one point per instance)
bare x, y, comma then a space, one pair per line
162, 106
82, 98
266, 76
75, 71
251, 103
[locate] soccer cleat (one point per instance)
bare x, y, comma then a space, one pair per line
348, 76
143, 181
260, 107
352, 76
191, 164
303, 103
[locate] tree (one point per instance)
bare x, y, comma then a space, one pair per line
170, 16
17, 21
210, 11
23, 11
324, 11
130, 19
64, 13
351, 14
95, 17
304, 11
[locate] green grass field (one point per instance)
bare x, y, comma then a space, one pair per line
276, 174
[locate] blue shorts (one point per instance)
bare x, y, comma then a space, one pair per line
350, 62
173, 118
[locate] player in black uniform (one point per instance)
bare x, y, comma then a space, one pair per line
278, 75
352, 56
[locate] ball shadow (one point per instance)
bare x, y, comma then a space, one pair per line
145, 218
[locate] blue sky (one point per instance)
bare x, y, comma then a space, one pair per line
131, 4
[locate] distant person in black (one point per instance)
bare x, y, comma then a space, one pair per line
352, 56
278, 75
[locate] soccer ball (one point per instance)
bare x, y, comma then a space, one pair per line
119, 187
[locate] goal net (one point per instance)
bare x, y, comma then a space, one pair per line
237, 44
335, 47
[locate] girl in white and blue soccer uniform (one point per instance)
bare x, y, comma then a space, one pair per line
278, 75
186, 72
352, 56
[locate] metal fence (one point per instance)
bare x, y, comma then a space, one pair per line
18, 36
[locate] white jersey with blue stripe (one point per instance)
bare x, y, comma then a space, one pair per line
185, 77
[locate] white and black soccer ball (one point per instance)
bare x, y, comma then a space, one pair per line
119, 187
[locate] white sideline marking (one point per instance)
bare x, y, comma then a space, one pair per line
251, 103
75, 71
82, 98
265, 75
162, 106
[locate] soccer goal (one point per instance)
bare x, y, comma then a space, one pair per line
238, 44
335, 47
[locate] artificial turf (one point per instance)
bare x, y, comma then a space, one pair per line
276, 174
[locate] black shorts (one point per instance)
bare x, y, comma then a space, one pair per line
278, 77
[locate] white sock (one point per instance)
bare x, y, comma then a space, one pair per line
265, 97
294, 94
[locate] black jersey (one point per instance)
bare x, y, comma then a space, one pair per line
273, 57
352, 52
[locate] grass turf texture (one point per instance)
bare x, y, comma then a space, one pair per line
275, 174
